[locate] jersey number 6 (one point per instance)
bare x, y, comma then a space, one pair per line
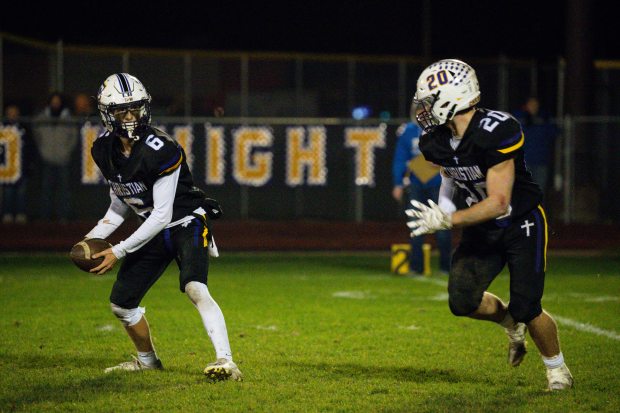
154, 142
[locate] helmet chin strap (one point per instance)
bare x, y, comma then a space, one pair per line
130, 135
130, 132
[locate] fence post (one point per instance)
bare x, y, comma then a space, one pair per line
403, 109
299, 86
60, 81
502, 83
358, 191
244, 196
533, 78
350, 84
125, 62
1, 74
187, 79
299, 111
568, 169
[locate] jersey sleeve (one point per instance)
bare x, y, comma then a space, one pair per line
164, 155
427, 147
504, 141
97, 151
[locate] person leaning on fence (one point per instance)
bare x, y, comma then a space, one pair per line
56, 138
540, 136
148, 174
14, 194
419, 180
497, 203
83, 106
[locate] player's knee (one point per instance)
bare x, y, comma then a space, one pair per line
462, 303
128, 317
198, 293
524, 311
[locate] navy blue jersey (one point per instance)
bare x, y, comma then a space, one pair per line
132, 178
491, 137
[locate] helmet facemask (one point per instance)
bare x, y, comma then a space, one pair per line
120, 123
422, 112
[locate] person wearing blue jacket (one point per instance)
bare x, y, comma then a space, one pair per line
419, 180
540, 134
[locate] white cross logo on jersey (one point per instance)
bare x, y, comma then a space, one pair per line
456, 160
527, 226
120, 177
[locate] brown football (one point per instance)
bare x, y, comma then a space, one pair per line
82, 252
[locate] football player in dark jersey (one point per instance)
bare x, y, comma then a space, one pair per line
148, 174
486, 189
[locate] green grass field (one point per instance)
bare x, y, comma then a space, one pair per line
311, 332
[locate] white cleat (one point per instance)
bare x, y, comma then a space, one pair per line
135, 365
559, 378
516, 345
223, 369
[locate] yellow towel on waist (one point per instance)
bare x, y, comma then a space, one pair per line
423, 169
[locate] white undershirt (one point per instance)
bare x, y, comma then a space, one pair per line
164, 191
455, 142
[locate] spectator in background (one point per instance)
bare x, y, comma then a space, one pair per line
540, 136
420, 180
56, 138
14, 194
83, 106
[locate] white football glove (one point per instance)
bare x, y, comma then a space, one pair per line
427, 219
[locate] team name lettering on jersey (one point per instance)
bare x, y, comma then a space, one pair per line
128, 189
464, 173
492, 138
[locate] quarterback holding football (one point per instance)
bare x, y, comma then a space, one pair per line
149, 176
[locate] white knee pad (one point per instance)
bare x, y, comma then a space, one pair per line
198, 293
127, 317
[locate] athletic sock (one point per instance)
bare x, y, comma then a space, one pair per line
214, 323
147, 358
508, 321
553, 362
212, 319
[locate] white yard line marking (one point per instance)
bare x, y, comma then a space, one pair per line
593, 298
411, 327
357, 295
106, 327
577, 325
589, 328
439, 297
268, 328
602, 299
429, 280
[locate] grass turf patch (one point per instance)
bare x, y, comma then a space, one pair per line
311, 332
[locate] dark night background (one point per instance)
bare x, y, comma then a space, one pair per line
458, 28
550, 48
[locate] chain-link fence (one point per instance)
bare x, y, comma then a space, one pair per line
278, 92
196, 83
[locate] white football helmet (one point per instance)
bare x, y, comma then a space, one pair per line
443, 89
119, 96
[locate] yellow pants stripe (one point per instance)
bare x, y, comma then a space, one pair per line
542, 212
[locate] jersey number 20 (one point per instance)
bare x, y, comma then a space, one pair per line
493, 118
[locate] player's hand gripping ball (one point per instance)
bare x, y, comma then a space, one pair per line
82, 252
